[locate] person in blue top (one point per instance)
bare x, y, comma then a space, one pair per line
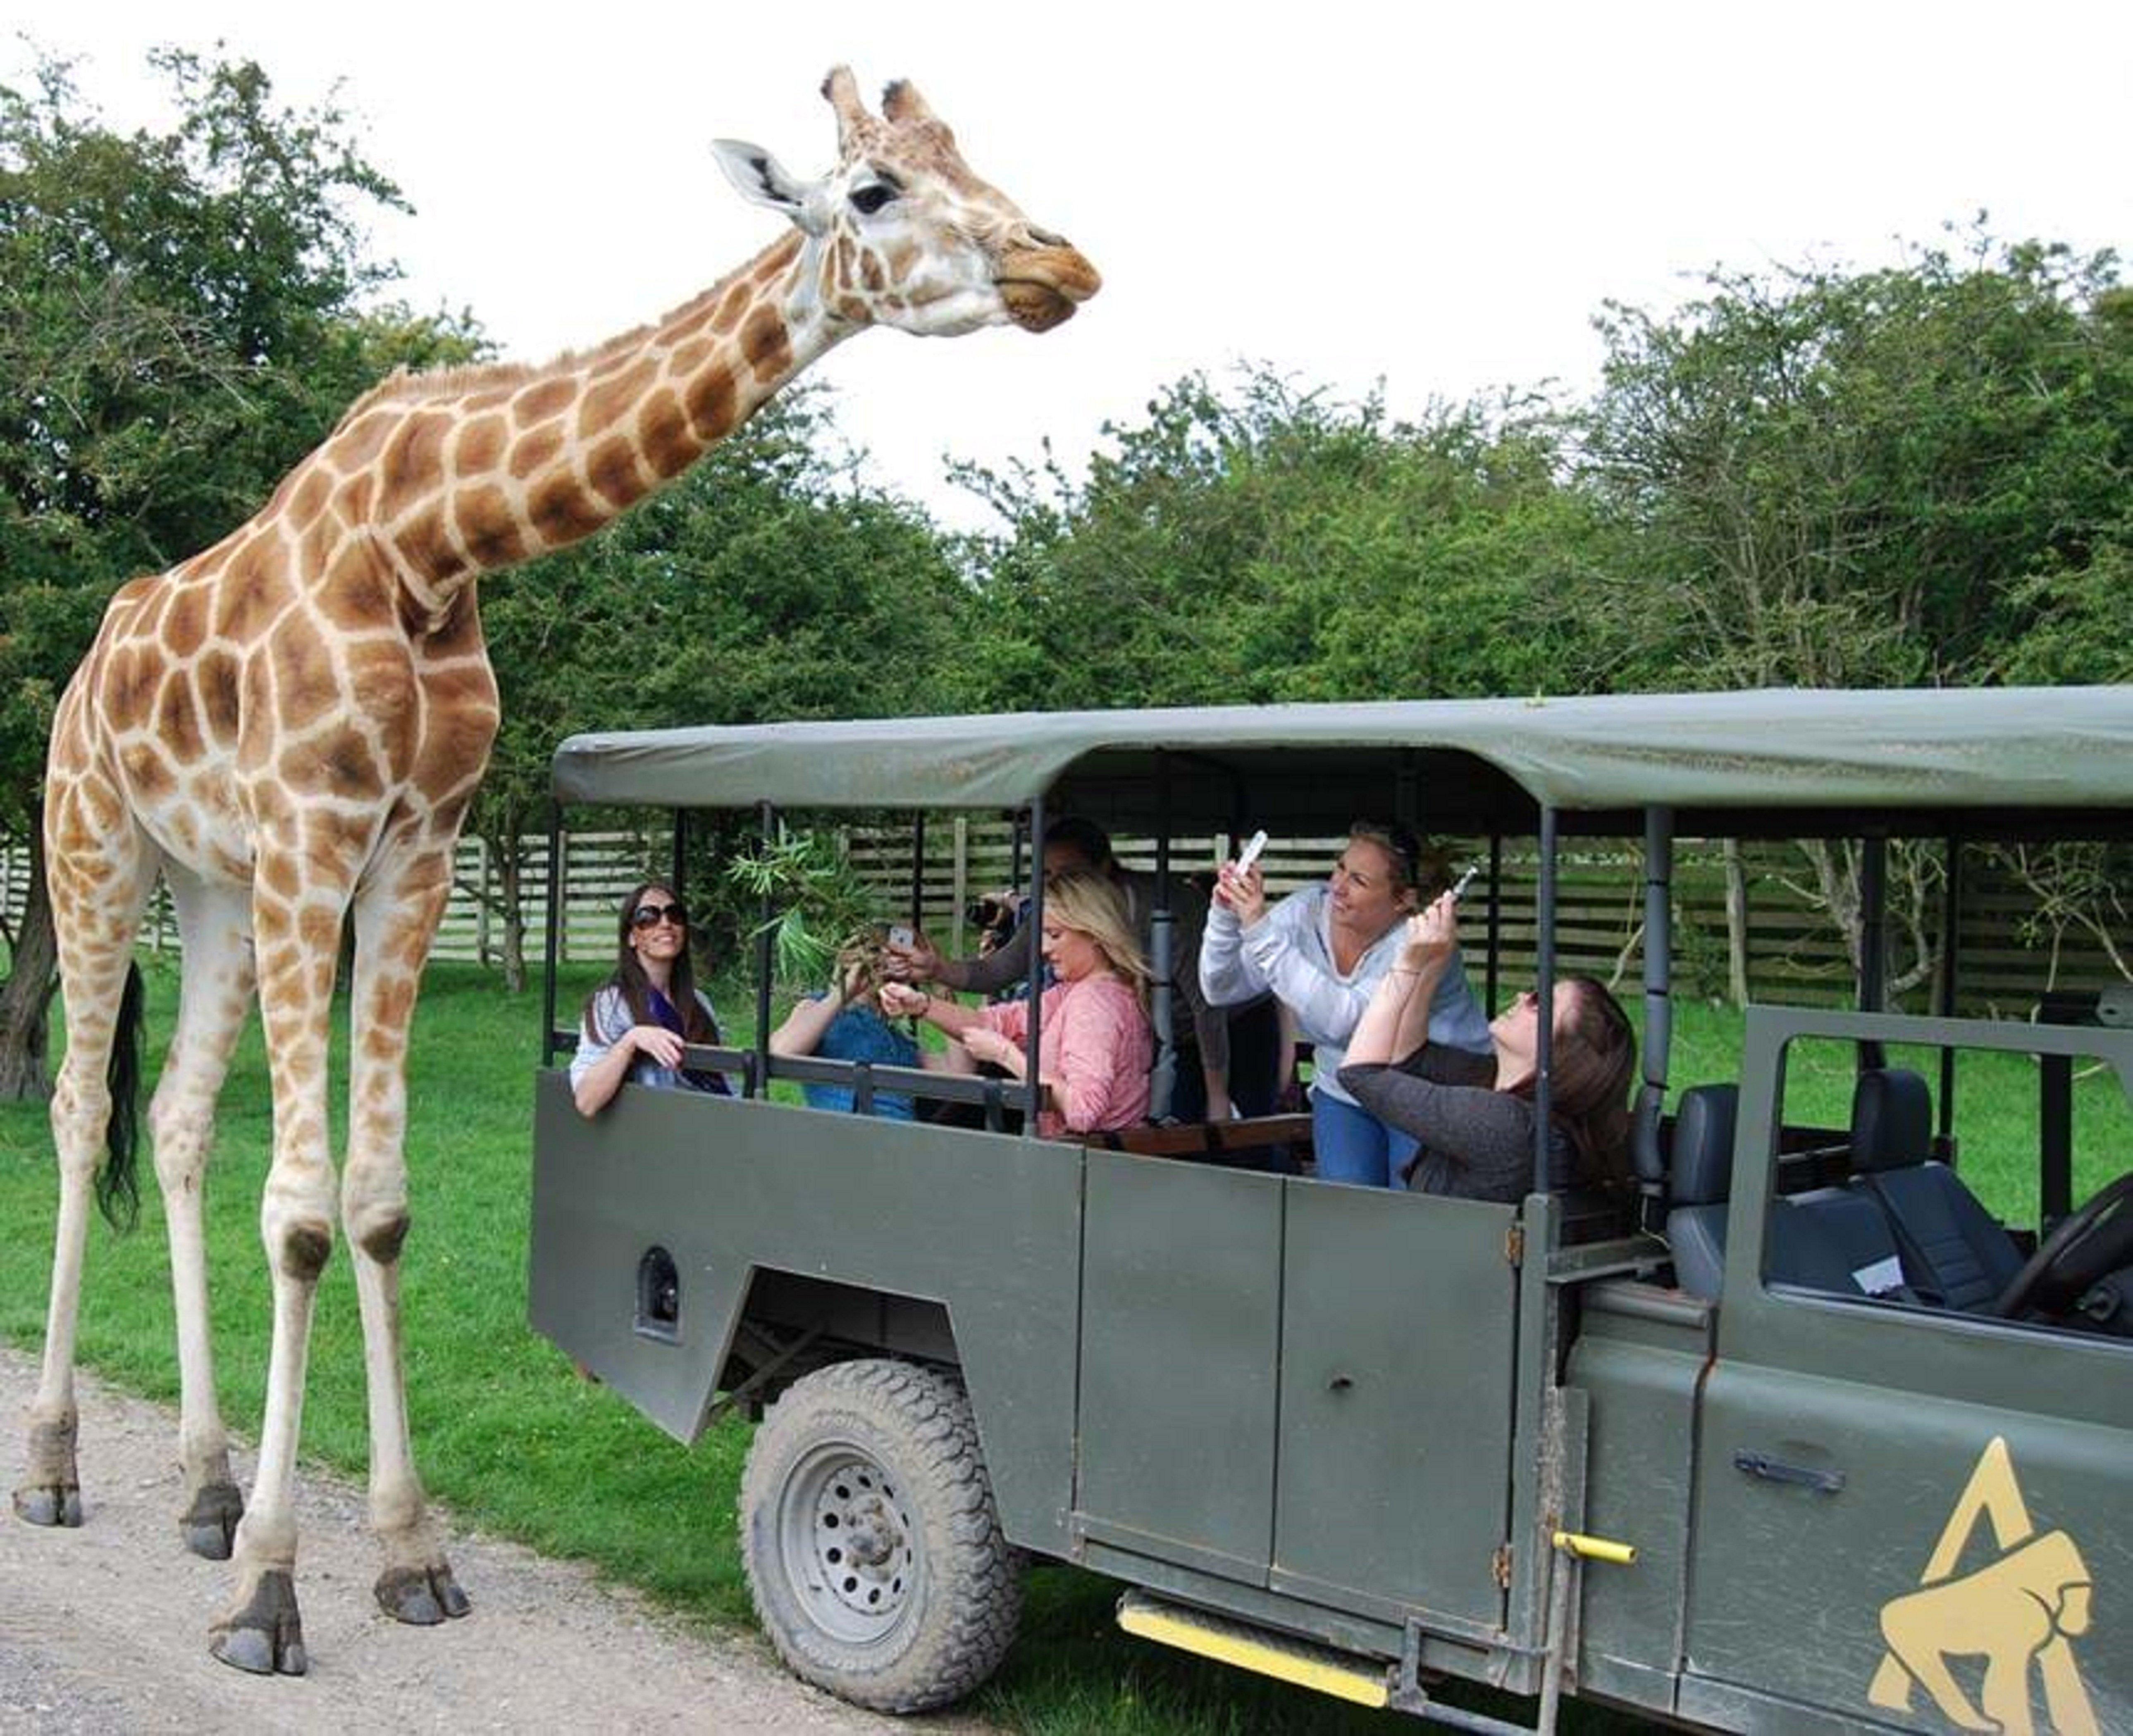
843, 1024
636, 1022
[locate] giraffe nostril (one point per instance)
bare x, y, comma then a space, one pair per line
1047, 239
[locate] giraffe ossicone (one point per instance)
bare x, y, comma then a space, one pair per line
287, 728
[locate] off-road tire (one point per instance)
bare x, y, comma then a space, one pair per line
873, 1547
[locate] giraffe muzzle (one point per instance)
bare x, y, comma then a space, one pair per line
1042, 286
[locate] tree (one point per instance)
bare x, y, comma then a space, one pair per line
180, 320
1274, 544
1908, 477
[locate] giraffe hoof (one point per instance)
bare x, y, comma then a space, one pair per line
265, 1635
209, 1525
50, 1504
420, 1596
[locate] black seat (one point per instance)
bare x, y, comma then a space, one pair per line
1955, 1255
1829, 1240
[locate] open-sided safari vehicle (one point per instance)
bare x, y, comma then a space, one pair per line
1800, 1438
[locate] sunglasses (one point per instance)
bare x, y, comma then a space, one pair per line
650, 916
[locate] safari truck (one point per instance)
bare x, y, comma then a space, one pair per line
1799, 1434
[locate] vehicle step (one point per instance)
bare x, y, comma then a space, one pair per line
1250, 1648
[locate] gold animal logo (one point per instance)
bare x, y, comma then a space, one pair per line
2026, 1607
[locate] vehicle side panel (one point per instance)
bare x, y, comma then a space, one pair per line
1399, 1314
1180, 1354
727, 1185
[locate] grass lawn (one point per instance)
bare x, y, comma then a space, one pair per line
510, 1439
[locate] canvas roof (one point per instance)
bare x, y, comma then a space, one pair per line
1777, 759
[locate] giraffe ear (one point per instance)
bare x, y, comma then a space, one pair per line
761, 180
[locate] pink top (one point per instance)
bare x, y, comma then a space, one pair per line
1096, 1047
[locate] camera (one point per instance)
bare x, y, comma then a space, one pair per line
994, 909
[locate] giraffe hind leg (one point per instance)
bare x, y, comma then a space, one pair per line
99, 877
215, 925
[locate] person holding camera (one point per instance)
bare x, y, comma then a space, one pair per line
1199, 1034
1096, 1044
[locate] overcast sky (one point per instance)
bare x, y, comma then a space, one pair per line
1440, 197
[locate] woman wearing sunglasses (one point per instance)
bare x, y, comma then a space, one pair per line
636, 1022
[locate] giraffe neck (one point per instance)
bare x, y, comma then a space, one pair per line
482, 470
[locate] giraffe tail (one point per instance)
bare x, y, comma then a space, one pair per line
117, 1188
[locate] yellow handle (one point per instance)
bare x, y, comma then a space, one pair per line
1596, 1549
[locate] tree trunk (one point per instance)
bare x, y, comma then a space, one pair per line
26, 998
1737, 924
510, 883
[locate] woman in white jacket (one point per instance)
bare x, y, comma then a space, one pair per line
1322, 951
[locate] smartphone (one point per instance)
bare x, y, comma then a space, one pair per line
900, 933
1459, 885
1251, 850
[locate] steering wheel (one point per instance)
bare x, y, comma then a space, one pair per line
2094, 1241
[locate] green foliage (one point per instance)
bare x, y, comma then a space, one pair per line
818, 903
1882, 478
1272, 544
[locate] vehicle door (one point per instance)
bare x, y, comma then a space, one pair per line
1904, 1514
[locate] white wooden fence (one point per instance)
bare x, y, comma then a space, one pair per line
1794, 955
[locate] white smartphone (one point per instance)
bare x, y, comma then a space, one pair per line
1250, 852
900, 933
1459, 885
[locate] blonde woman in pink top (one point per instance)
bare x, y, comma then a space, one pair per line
1096, 1043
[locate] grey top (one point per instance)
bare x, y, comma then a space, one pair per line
610, 1021
1476, 1141
1775, 747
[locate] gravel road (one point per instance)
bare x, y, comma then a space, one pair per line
104, 1629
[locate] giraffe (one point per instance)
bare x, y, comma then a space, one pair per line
288, 728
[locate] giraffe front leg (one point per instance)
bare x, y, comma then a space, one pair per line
262, 1630
395, 917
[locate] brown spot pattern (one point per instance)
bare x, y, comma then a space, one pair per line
305, 689
764, 342
185, 626
480, 446
563, 511
489, 529
663, 435
177, 721
711, 405
217, 678
536, 451
355, 447
611, 467
428, 545
413, 462
537, 403
606, 404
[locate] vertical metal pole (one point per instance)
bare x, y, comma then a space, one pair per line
679, 860
1162, 1005
1036, 1091
758, 1085
1951, 935
918, 876
1873, 940
1495, 921
551, 943
1544, 1040
1650, 1162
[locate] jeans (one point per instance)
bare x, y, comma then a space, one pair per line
1353, 1146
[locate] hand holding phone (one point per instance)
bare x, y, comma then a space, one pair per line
1250, 852
1459, 885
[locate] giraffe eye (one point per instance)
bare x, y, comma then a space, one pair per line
871, 199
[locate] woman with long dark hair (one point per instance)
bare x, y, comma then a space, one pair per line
1473, 1115
636, 1022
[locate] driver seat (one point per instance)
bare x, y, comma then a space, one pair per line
1955, 1253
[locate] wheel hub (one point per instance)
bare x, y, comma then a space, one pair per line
853, 1543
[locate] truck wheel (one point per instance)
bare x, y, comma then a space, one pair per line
873, 1547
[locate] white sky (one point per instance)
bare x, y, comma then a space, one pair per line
1437, 196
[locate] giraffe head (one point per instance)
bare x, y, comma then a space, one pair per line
902, 234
